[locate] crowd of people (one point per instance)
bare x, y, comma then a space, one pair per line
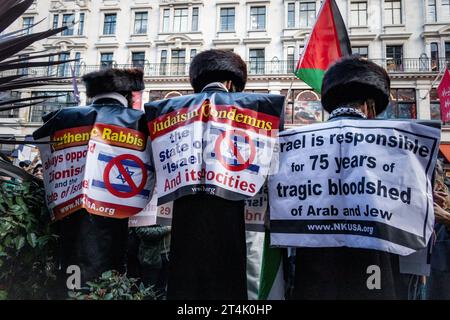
207, 256
33, 167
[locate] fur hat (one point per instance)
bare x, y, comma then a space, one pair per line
355, 79
113, 80
217, 65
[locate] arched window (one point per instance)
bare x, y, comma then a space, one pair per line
434, 51
172, 94
402, 105
307, 108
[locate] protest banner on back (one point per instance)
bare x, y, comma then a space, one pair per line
256, 210
147, 217
218, 144
104, 168
363, 184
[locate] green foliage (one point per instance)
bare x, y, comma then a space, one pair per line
113, 286
27, 245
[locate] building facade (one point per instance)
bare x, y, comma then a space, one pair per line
410, 38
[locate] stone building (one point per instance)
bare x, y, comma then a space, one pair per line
410, 38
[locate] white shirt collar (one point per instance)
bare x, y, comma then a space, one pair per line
215, 84
112, 95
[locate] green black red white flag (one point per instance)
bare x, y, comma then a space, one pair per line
328, 42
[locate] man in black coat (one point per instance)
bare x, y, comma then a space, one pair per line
93, 242
208, 249
353, 88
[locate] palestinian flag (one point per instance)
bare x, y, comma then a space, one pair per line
271, 285
328, 42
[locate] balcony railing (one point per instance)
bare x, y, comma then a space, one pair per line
278, 67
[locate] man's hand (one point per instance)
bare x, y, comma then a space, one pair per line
441, 215
440, 198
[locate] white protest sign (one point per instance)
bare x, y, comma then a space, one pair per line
103, 168
147, 217
363, 184
164, 214
222, 150
255, 210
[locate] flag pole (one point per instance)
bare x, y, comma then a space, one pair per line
434, 81
289, 90
288, 95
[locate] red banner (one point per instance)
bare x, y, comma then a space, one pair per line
444, 96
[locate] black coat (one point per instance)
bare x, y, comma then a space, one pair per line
341, 273
208, 252
208, 249
93, 243
438, 286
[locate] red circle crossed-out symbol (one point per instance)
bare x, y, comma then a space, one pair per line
243, 164
117, 161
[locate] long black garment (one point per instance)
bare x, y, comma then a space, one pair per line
93, 243
438, 286
341, 273
208, 252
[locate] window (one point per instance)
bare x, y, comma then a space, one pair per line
106, 59
193, 53
434, 53
77, 63
178, 62
307, 108
227, 17
363, 52
435, 107
23, 71
402, 105
63, 69
358, 13
163, 65
257, 57
445, 9
140, 22
27, 24
109, 26
7, 148
138, 59
258, 18
51, 67
303, 107
393, 11
194, 19
432, 17
68, 20
51, 104
447, 53
291, 15
307, 14
290, 60
166, 20
180, 20
14, 113
394, 58
81, 24
55, 21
